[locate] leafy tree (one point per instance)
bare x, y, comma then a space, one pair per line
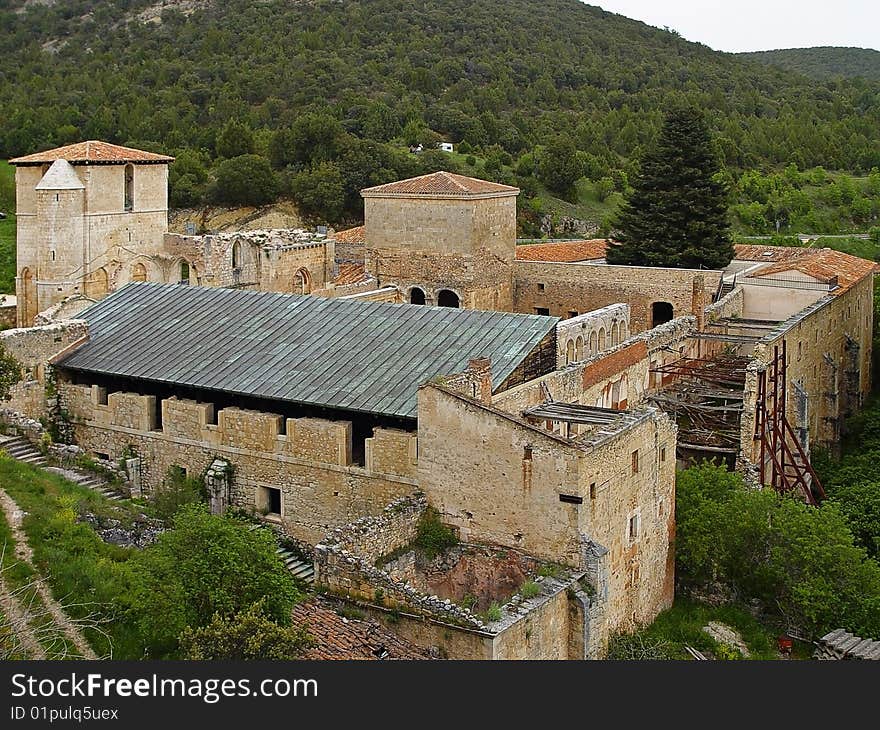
320, 191
10, 372
676, 214
236, 139
187, 179
604, 188
206, 565
247, 635
245, 180
559, 166
313, 138
798, 559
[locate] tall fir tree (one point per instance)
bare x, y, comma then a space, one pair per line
676, 213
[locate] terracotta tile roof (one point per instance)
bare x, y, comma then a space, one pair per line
92, 152
760, 252
352, 235
563, 251
825, 265
444, 184
337, 637
350, 274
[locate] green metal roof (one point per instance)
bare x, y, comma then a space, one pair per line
336, 353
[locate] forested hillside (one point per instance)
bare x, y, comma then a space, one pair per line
318, 99
824, 62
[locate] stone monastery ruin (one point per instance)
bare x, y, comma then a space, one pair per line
342, 386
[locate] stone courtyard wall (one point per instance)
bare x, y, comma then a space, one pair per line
308, 459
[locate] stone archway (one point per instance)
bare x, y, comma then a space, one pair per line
97, 284
416, 295
448, 298
302, 281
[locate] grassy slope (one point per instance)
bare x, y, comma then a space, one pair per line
79, 566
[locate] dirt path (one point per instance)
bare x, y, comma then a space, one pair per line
23, 553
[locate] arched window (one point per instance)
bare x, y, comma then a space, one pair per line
594, 343
601, 339
416, 296
302, 282
236, 255
569, 352
613, 335
623, 331
184, 272
129, 188
138, 272
661, 312
579, 349
446, 298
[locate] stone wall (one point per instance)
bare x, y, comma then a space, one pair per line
34, 348
308, 460
584, 335
290, 261
561, 288
465, 246
620, 375
829, 348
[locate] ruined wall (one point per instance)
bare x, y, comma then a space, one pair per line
592, 382
289, 261
582, 287
308, 459
829, 347
33, 348
584, 335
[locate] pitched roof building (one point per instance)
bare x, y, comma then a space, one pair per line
93, 152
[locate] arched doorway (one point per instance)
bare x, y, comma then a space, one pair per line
302, 282
579, 349
569, 352
184, 272
138, 272
416, 295
446, 298
97, 284
661, 312
236, 255
594, 343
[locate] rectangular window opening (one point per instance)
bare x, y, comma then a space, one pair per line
542, 311
635, 461
269, 501
571, 499
593, 490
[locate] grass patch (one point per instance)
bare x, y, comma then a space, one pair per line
529, 589
433, 537
682, 625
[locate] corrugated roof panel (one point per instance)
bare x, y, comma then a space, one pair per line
336, 353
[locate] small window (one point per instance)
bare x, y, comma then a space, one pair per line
542, 310
635, 461
540, 287
129, 188
571, 499
593, 490
527, 453
662, 453
633, 528
572, 313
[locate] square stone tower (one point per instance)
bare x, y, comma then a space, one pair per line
85, 212
443, 239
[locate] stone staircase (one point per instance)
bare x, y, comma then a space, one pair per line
20, 449
300, 569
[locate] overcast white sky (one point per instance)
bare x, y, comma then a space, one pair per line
760, 25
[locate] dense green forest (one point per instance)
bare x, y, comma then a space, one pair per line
824, 62
557, 96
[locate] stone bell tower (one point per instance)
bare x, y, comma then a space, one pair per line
85, 213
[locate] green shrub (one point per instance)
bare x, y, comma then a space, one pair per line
433, 537
176, 492
529, 589
493, 613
